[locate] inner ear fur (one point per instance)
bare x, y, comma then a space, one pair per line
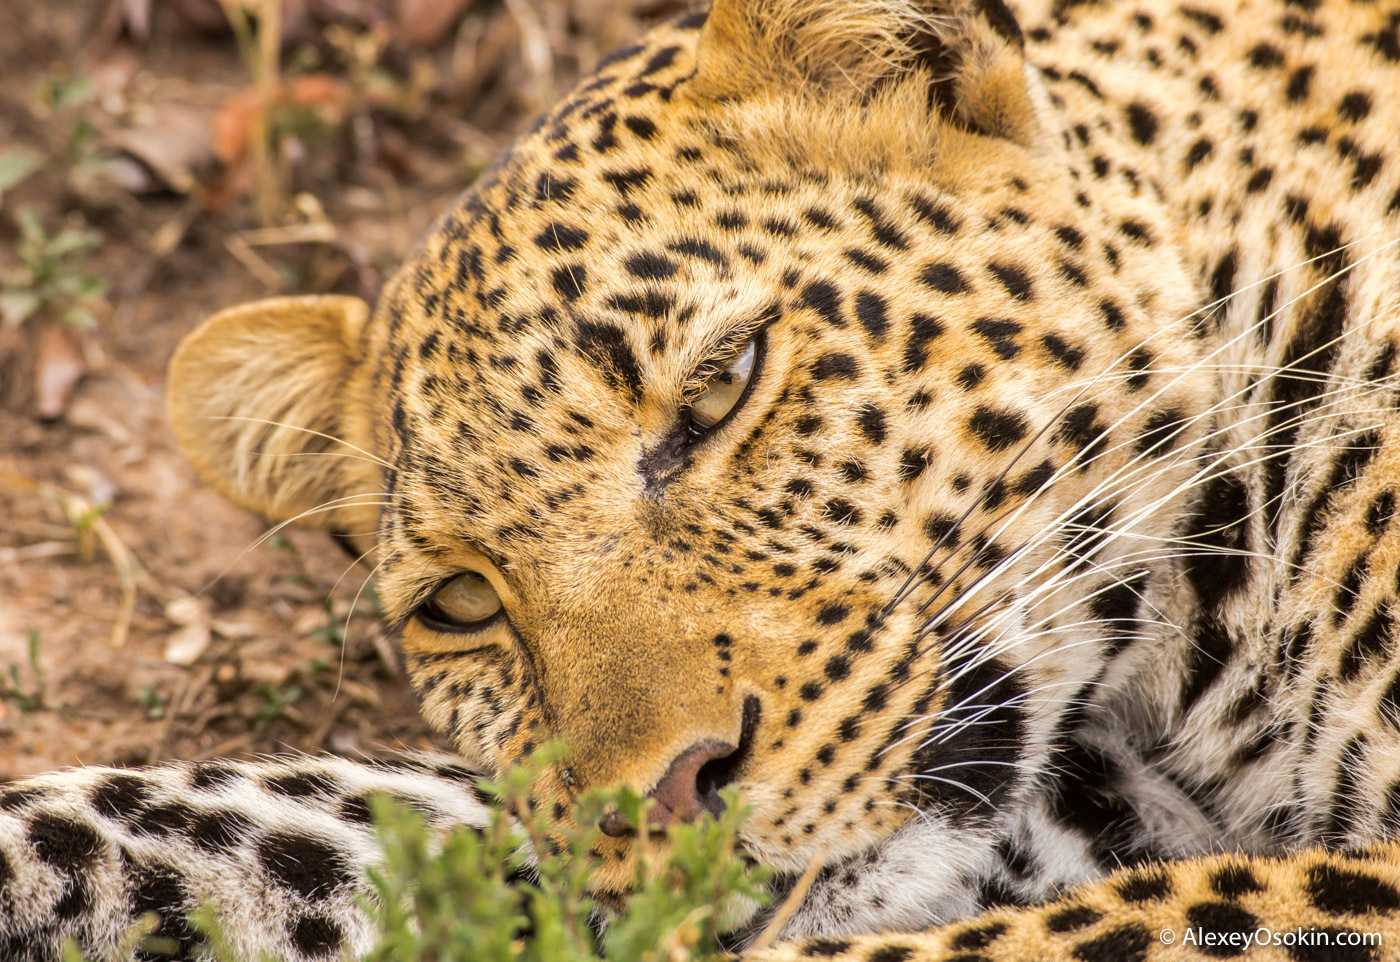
265, 402
968, 55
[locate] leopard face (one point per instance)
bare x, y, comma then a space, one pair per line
754, 421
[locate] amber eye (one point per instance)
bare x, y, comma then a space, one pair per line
724, 391
467, 601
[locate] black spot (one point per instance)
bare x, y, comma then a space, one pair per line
871, 312
871, 421
998, 430
1211, 647
606, 345
308, 866
1259, 180
1381, 510
650, 266
971, 376
1232, 881
944, 278
626, 181
1371, 640
1003, 22
1265, 55
569, 281
824, 948
913, 463
552, 187
208, 775
67, 845
1143, 123
1161, 432
1335, 890
942, 529
1355, 105
1014, 279
837, 668
1203, 19
838, 367
1072, 918
934, 215
219, 831
1300, 84
356, 809
1081, 428
561, 237
1068, 357
842, 511
700, 250
640, 126
1112, 316
1134, 230
1000, 334
1218, 564
923, 329
825, 299
894, 953
885, 233
1116, 607
161, 889
978, 936
832, 614
163, 819
1222, 917
301, 784
120, 796
316, 935
1144, 885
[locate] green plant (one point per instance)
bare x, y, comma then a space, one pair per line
153, 702
26, 700
458, 903
275, 700
50, 282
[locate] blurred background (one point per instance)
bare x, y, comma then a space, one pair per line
159, 160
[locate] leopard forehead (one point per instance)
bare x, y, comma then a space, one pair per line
542, 340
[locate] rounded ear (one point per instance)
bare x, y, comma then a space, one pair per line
968, 53
264, 401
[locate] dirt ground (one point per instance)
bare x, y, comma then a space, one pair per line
165, 170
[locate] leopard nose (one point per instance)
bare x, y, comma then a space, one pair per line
689, 788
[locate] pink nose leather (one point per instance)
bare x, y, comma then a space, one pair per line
679, 794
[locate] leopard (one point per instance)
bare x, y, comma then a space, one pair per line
966, 428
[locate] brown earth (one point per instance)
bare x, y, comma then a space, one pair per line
166, 623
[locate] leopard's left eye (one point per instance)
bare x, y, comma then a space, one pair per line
724, 391
464, 603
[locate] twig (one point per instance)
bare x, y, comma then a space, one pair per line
775, 925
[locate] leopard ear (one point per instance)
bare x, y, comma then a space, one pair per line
967, 55
264, 400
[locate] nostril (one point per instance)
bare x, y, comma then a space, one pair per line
679, 793
693, 784
721, 772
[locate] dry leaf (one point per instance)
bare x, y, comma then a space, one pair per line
184, 646
57, 368
174, 145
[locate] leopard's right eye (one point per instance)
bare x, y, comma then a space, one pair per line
464, 603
